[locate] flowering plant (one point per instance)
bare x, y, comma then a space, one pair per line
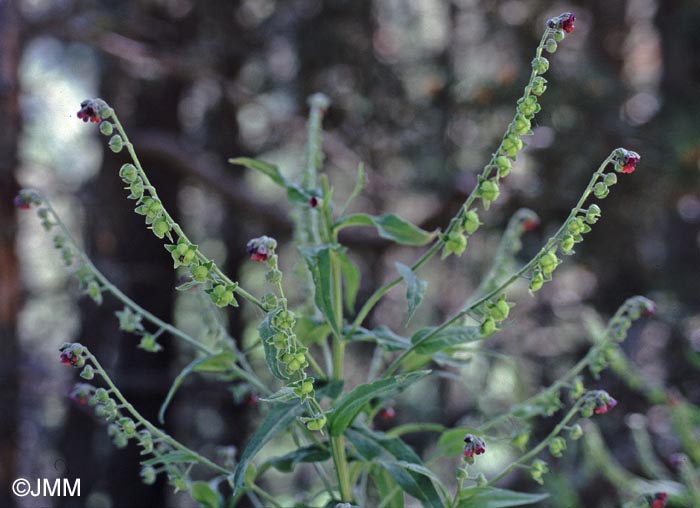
303, 390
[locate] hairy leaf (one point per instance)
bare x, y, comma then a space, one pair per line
489, 497
389, 226
415, 289
444, 339
204, 494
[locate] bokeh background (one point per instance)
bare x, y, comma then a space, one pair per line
421, 92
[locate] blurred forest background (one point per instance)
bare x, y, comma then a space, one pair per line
421, 92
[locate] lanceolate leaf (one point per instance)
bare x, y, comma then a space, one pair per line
204, 494
415, 289
308, 454
281, 416
175, 457
384, 337
270, 350
444, 339
277, 420
400, 461
318, 259
489, 497
220, 362
350, 404
294, 192
389, 226
351, 280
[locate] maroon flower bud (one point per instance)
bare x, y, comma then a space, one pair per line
566, 22
630, 161
260, 249
659, 500
21, 203
676, 459
89, 112
81, 393
314, 202
386, 413
251, 399
473, 445
68, 358
604, 403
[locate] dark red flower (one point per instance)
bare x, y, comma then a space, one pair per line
261, 248
251, 399
604, 404
659, 500
68, 358
81, 394
89, 112
21, 202
629, 163
473, 445
314, 201
566, 21
386, 413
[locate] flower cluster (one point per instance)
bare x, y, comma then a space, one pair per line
260, 249
473, 445
563, 22
597, 402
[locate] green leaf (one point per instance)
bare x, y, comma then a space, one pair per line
175, 457
389, 226
276, 421
318, 260
351, 277
400, 461
311, 330
387, 488
204, 494
308, 454
489, 497
416, 485
383, 336
267, 169
220, 362
294, 192
444, 339
415, 289
451, 442
266, 332
350, 404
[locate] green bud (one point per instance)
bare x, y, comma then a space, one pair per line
120, 440
94, 291
101, 395
200, 273
161, 227
536, 282
146, 441
488, 327
551, 46
456, 243
149, 344
512, 145
576, 432
488, 190
471, 218
503, 165
538, 469
87, 372
610, 179
521, 126
578, 390
539, 85
499, 310
316, 423
601, 190
273, 276
540, 64
307, 386
221, 295
548, 262
128, 173
106, 128
128, 427
559, 35
136, 188
116, 143
148, 475
269, 301
293, 366
557, 446
567, 244
481, 480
